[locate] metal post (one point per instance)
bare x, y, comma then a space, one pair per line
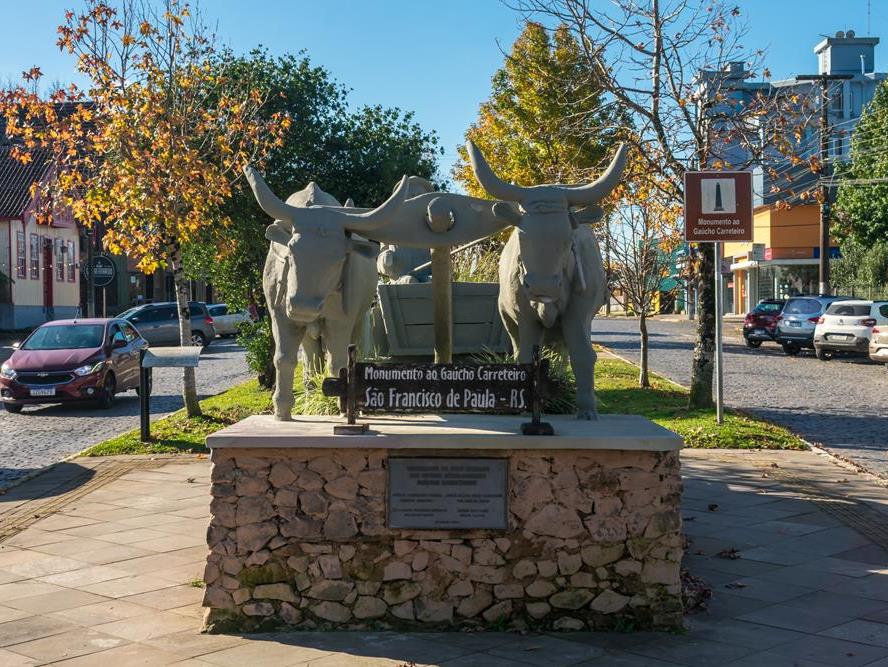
442, 293
719, 361
144, 403
90, 277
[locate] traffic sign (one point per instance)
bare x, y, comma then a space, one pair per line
718, 206
104, 271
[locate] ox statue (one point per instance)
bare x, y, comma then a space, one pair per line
552, 279
319, 278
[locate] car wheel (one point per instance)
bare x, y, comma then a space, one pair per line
14, 408
109, 388
753, 343
198, 339
790, 349
824, 355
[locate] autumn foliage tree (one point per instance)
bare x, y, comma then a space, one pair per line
153, 146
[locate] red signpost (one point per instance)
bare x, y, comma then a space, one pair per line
718, 209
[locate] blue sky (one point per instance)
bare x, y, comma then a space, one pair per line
432, 57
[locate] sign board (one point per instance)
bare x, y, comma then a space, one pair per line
443, 493
399, 388
104, 271
718, 206
172, 357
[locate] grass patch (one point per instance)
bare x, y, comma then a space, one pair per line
616, 386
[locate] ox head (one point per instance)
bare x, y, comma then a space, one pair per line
545, 226
317, 233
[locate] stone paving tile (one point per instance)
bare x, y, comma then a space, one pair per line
547, 651
263, 654
112, 553
741, 633
769, 659
9, 577
173, 542
873, 586
26, 588
837, 603
128, 655
687, 650
45, 566
150, 626
841, 566
168, 598
801, 577
32, 627
10, 659
864, 632
869, 553
831, 651
809, 620
778, 555
35, 537
119, 588
66, 598
93, 574
476, 660
768, 591
101, 612
67, 645
189, 644
12, 614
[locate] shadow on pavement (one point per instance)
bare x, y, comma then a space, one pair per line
52, 481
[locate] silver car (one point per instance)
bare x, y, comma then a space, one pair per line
225, 321
795, 327
158, 323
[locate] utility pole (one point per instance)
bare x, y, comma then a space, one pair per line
825, 170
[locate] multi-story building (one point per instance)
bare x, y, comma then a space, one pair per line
782, 259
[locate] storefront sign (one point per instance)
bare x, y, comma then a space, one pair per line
718, 206
440, 493
104, 271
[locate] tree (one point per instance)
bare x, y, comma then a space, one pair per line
668, 63
643, 236
158, 148
862, 203
359, 155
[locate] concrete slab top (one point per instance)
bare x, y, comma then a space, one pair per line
437, 432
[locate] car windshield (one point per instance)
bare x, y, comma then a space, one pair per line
801, 307
768, 308
853, 310
66, 337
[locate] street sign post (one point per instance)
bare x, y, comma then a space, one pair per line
718, 209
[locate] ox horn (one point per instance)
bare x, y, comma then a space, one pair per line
492, 183
601, 187
324, 215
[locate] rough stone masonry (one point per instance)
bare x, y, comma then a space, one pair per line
298, 538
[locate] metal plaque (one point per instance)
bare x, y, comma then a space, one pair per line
440, 494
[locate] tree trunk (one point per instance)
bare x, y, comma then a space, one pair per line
643, 379
704, 347
189, 382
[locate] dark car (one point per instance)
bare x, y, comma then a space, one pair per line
159, 323
72, 360
760, 323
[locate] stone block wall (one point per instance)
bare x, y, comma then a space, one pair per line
298, 538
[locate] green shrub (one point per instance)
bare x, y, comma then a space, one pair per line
257, 339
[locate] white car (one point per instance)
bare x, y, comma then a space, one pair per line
227, 323
847, 326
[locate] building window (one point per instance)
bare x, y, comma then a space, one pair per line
59, 259
20, 269
72, 270
35, 256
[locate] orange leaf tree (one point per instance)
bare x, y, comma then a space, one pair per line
153, 146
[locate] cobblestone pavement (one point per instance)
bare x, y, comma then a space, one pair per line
841, 404
44, 434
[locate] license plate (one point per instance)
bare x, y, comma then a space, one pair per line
794, 324
840, 337
46, 391
759, 332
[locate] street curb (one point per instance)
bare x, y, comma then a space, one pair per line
835, 458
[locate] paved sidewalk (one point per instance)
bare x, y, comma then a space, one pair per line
99, 561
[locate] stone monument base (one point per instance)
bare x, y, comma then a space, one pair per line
301, 531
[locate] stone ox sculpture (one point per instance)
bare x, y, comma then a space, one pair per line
552, 280
319, 278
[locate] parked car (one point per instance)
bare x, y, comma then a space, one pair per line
760, 323
72, 360
225, 322
878, 347
795, 327
159, 323
847, 327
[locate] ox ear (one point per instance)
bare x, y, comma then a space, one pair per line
277, 232
363, 247
588, 215
504, 211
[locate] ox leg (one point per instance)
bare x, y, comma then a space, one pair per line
576, 332
337, 337
530, 333
288, 338
511, 329
314, 357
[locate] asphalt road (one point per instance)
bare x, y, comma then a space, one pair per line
44, 434
841, 404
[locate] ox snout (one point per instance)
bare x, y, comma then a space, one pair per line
542, 289
304, 309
